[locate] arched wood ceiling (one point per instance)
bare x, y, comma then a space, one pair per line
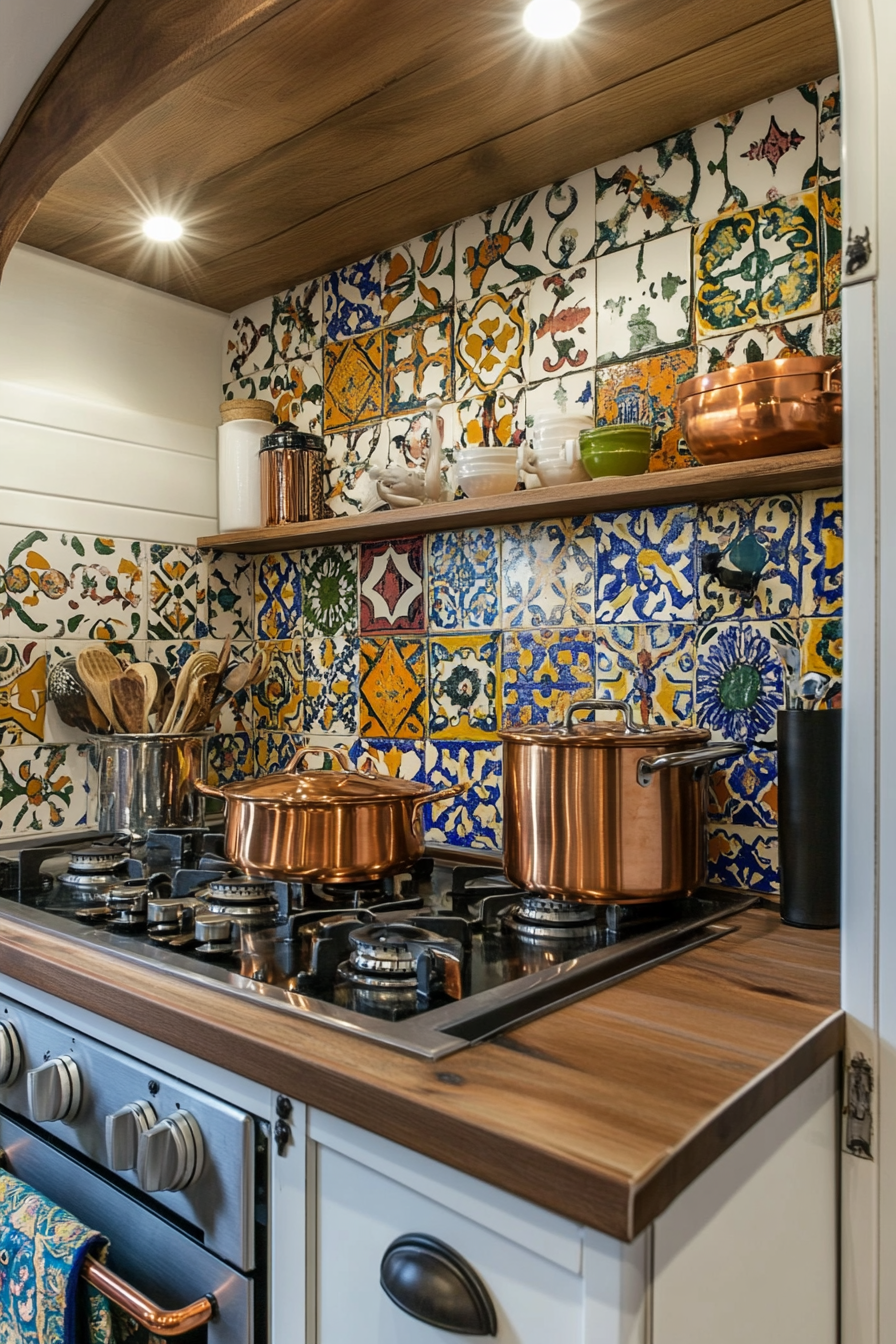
320, 131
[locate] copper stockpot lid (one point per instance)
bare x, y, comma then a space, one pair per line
324, 788
794, 367
628, 733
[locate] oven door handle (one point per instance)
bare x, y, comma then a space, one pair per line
153, 1318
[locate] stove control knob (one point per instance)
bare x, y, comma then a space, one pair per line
54, 1090
123, 1130
171, 1155
10, 1054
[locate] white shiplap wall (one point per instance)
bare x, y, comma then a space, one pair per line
109, 396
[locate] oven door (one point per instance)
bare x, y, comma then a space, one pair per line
148, 1251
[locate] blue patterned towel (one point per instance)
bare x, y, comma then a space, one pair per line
42, 1251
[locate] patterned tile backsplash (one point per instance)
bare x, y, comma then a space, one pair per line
596, 296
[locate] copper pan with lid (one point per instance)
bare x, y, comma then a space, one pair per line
324, 825
607, 811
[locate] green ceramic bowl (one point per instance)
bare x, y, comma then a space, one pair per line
616, 450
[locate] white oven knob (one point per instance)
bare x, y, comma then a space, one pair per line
123, 1130
170, 1156
10, 1054
54, 1090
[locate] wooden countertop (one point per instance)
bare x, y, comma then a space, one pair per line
602, 1111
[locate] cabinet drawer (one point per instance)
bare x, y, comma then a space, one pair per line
361, 1212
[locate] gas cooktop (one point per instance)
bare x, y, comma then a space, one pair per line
428, 961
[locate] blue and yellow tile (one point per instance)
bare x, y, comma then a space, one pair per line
330, 590
418, 276
490, 342
393, 688
465, 580
645, 392
822, 553
353, 299
278, 596
543, 672
821, 646
828, 94
417, 358
402, 758
464, 696
274, 751
353, 381
745, 793
178, 593
331, 685
231, 757
758, 536
744, 857
645, 565
473, 819
758, 266
649, 666
231, 595
547, 573
277, 698
740, 680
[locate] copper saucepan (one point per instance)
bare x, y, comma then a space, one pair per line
324, 825
607, 811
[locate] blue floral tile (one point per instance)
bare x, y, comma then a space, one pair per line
353, 299
644, 298
402, 758
178, 593
230, 757
297, 320
822, 553
274, 751
758, 266
743, 857
393, 687
464, 580
464, 696
231, 595
758, 537
277, 698
740, 683
649, 666
472, 820
417, 363
278, 597
331, 685
548, 573
543, 672
645, 564
43, 788
418, 277
745, 793
330, 590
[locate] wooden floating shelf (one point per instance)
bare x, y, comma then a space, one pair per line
694, 485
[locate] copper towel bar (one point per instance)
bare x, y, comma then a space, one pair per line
146, 1313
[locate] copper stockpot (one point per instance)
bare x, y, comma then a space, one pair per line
607, 811
324, 825
763, 409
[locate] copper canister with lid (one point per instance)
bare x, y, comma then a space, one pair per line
292, 476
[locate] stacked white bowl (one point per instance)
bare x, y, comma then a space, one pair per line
554, 455
488, 471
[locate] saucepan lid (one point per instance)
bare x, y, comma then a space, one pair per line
326, 788
796, 366
603, 733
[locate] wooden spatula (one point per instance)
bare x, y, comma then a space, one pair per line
129, 701
97, 668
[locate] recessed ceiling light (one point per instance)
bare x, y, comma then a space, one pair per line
162, 229
551, 18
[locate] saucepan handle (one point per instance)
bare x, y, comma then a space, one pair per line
338, 754
604, 707
440, 796
207, 790
698, 758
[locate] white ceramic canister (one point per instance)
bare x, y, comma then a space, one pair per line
244, 425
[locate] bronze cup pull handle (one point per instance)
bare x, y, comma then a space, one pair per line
699, 758
440, 796
337, 753
605, 706
207, 790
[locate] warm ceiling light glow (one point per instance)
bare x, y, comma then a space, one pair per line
551, 18
162, 229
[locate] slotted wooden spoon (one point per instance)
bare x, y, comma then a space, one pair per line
97, 668
129, 700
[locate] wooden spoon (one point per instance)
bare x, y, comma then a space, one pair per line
195, 665
201, 702
148, 675
97, 668
129, 699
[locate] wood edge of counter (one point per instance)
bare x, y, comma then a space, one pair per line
595, 1196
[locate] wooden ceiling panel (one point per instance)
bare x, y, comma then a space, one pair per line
335, 130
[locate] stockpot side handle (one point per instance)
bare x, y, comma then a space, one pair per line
207, 790
441, 795
338, 754
698, 758
612, 706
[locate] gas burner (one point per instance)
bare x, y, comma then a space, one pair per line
543, 919
94, 869
402, 959
249, 901
357, 894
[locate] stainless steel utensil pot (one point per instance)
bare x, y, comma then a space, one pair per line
148, 780
324, 825
606, 811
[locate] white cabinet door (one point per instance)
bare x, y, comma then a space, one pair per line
361, 1212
